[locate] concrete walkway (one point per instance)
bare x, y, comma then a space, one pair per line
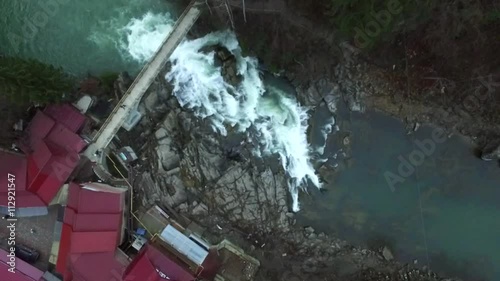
143, 81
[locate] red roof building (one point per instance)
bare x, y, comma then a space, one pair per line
105, 266
14, 167
23, 271
67, 115
91, 231
52, 145
153, 265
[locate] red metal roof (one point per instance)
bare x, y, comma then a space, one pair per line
95, 199
23, 271
67, 115
24, 199
16, 164
52, 148
38, 128
91, 225
12, 164
88, 254
94, 242
65, 138
73, 196
96, 267
211, 264
48, 169
151, 264
36, 161
73, 242
64, 249
92, 222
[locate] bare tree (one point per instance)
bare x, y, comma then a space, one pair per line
229, 13
244, 11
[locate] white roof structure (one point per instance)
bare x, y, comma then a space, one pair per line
84, 103
184, 245
133, 118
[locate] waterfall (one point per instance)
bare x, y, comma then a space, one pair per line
275, 119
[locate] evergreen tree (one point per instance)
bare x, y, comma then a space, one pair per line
30, 81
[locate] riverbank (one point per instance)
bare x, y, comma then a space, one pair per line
244, 199
322, 70
400, 78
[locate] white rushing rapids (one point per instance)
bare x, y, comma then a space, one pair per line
144, 36
273, 120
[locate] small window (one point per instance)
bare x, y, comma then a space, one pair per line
123, 157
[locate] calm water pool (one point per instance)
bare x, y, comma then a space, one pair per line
445, 215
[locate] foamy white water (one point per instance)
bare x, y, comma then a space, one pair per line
145, 35
278, 123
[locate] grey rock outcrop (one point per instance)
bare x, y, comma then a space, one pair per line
491, 153
122, 83
189, 159
228, 66
240, 191
387, 254
316, 92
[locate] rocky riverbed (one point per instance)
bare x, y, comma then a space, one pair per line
399, 80
217, 182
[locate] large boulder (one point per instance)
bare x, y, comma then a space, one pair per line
229, 66
491, 153
244, 193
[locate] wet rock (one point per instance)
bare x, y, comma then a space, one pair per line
151, 101
321, 90
311, 96
312, 236
325, 87
122, 84
223, 54
170, 123
352, 96
309, 230
416, 126
229, 69
245, 193
200, 209
183, 208
331, 100
347, 140
387, 254
167, 158
161, 134
309, 266
491, 153
169, 190
154, 105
